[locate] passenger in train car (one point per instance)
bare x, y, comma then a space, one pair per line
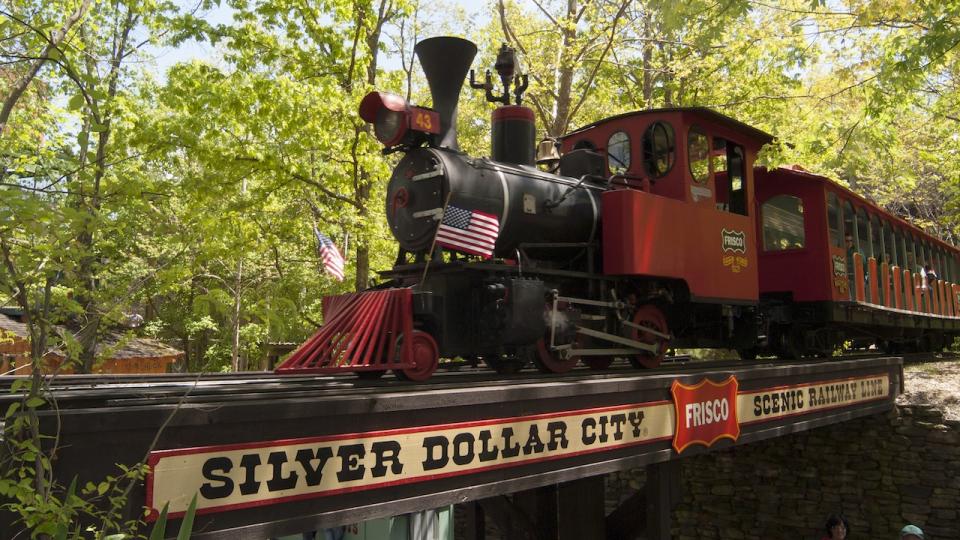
911, 532
836, 528
924, 279
851, 249
929, 280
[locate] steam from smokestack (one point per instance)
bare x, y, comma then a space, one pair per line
445, 62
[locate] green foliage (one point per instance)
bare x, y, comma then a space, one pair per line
45, 508
190, 199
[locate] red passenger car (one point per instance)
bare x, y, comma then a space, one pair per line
835, 267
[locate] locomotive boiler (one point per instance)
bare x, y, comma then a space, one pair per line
531, 207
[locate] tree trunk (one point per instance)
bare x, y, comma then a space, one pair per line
362, 179
235, 320
647, 62
20, 86
89, 335
565, 74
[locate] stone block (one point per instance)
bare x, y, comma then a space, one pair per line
912, 517
723, 490
915, 490
911, 431
943, 502
944, 436
949, 515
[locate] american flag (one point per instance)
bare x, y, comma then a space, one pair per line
332, 260
468, 231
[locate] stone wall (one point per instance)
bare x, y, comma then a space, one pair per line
881, 472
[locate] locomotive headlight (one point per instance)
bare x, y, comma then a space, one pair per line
389, 126
397, 122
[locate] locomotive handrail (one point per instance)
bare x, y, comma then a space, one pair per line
570, 189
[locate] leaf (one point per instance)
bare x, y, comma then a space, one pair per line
12, 409
77, 102
186, 525
35, 402
98, 128
71, 491
102, 488
160, 527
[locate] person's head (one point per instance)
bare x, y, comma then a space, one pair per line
927, 268
837, 527
849, 240
911, 532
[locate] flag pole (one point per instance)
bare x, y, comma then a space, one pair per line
433, 244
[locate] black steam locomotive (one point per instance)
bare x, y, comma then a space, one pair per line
498, 260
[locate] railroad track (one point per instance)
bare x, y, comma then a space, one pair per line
82, 391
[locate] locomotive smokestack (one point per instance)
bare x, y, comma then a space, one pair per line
445, 62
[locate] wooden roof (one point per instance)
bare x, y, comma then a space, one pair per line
129, 346
14, 327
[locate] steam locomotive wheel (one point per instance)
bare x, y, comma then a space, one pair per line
554, 361
425, 356
559, 361
651, 317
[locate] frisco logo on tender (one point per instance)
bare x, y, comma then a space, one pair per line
734, 241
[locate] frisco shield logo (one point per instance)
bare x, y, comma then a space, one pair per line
734, 241
839, 266
840, 274
706, 412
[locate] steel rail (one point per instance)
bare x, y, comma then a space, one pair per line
84, 391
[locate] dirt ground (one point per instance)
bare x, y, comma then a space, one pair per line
935, 383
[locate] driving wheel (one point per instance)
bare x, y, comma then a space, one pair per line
649, 316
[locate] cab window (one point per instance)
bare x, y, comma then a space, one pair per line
782, 218
658, 149
618, 153
729, 170
698, 154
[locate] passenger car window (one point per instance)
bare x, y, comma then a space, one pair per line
834, 220
698, 154
890, 243
618, 153
877, 239
782, 218
658, 149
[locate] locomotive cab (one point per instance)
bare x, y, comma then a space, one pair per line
680, 205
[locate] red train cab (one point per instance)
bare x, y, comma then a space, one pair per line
684, 210
834, 267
